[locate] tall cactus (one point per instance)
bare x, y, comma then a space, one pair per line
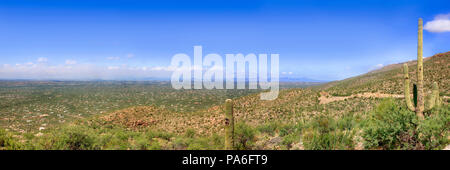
420, 97
229, 125
434, 99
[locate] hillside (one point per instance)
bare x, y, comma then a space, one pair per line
294, 105
389, 79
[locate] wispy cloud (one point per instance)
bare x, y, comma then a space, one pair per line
73, 70
440, 23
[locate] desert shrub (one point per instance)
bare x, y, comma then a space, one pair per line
391, 126
322, 133
213, 142
340, 140
73, 138
217, 141
244, 136
196, 146
210, 142
346, 122
141, 142
118, 138
180, 143
190, 133
4, 138
290, 139
155, 145
111, 141
286, 129
434, 130
291, 134
269, 128
8, 142
158, 134
201, 143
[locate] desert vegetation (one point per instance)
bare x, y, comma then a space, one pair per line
295, 120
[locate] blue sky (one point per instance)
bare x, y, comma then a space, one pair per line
324, 40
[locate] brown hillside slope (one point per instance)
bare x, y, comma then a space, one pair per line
294, 105
389, 79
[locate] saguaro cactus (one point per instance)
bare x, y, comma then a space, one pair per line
229, 125
434, 99
420, 98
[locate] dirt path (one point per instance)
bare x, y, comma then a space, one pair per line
326, 98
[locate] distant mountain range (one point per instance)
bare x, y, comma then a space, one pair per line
282, 79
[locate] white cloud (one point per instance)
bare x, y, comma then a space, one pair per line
71, 62
441, 23
42, 59
67, 71
131, 55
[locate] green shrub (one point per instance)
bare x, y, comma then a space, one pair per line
287, 129
73, 138
390, 127
8, 142
290, 139
269, 128
322, 134
190, 133
196, 146
393, 127
213, 142
244, 136
142, 143
346, 122
158, 134
155, 145
434, 130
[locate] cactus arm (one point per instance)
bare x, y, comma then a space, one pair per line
229, 125
434, 98
438, 101
437, 97
406, 90
420, 95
